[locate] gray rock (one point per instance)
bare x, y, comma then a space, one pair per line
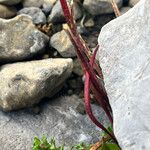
10, 2
20, 39
98, 7
7, 11
124, 58
133, 2
59, 119
57, 14
124, 10
38, 17
25, 84
77, 69
32, 3
62, 43
47, 6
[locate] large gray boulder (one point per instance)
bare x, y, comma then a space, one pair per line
58, 119
125, 57
20, 39
25, 84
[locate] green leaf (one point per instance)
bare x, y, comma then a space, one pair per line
109, 146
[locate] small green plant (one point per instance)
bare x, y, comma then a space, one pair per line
44, 144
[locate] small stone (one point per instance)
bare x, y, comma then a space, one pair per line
98, 7
32, 3
82, 30
133, 2
38, 17
45, 56
89, 23
124, 10
57, 14
7, 11
72, 83
10, 2
70, 92
47, 6
35, 109
25, 42
77, 69
62, 43
25, 84
81, 108
55, 53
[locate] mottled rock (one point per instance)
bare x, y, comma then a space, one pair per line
62, 43
124, 10
77, 69
7, 11
125, 58
47, 6
25, 84
20, 39
98, 7
133, 2
38, 17
32, 3
57, 14
10, 2
58, 119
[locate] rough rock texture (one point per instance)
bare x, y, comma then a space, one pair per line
32, 3
59, 118
47, 6
125, 61
133, 2
38, 17
62, 43
98, 7
57, 14
19, 39
10, 2
124, 10
24, 84
7, 11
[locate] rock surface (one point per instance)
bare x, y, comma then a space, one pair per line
20, 39
133, 2
98, 7
125, 58
7, 11
32, 3
57, 14
24, 84
62, 43
38, 17
58, 119
10, 2
124, 10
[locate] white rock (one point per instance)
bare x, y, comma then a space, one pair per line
125, 60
